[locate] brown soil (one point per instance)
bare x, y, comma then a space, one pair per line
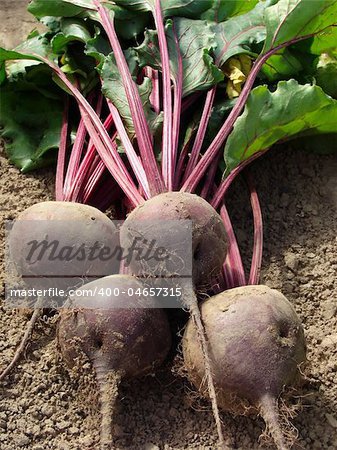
44, 407
16, 22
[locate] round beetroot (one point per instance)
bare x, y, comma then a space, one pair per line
256, 344
119, 334
45, 237
209, 240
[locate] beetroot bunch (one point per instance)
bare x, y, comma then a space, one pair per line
155, 91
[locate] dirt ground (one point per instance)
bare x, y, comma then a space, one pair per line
16, 22
43, 407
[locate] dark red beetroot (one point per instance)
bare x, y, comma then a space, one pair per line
117, 333
64, 226
209, 240
256, 345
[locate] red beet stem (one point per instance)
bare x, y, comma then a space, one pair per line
167, 137
143, 135
62, 153
255, 269
233, 267
199, 139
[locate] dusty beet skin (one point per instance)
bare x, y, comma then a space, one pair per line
209, 240
131, 340
79, 225
119, 336
256, 342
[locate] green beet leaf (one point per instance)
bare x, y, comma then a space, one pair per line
282, 65
31, 126
171, 8
58, 8
290, 20
236, 35
222, 10
326, 75
71, 30
129, 23
219, 113
98, 47
269, 117
196, 43
323, 42
20, 59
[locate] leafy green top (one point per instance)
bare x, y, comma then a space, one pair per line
285, 37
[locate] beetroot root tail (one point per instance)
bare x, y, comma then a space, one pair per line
270, 413
108, 385
23, 344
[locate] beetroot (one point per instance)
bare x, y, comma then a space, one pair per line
64, 227
256, 345
117, 333
209, 240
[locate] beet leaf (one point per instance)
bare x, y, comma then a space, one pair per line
269, 117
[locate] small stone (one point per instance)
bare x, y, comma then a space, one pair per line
329, 309
63, 425
14, 392
48, 423
50, 432
291, 260
308, 172
172, 412
11, 426
150, 446
330, 341
47, 411
86, 440
303, 280
331, 420
118, 431
311, 255
23, 403
63, 446
21, 440
315, 221
36, 430
36, 414
288, 287
307, 208
74, 430
40, 388
22, 425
